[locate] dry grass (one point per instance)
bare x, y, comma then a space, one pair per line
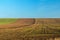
41, 28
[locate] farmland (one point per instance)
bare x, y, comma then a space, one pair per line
6, 20
29, 29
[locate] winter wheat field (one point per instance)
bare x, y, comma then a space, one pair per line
29, 28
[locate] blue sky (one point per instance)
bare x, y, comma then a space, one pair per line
29, 8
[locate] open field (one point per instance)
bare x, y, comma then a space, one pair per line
15, 23
30, 29
6, 20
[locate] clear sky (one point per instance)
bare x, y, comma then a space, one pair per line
30, 8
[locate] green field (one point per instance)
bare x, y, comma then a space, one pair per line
7, 20
37, 30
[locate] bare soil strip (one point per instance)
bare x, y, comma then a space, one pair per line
19, 23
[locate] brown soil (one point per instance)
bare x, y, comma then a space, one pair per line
19, 23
